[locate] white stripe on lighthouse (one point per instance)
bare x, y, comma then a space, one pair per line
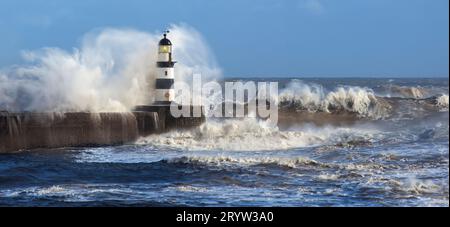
165, 95
165, 73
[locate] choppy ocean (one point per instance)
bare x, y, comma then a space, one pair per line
339, 142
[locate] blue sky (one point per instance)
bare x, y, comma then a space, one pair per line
401, 38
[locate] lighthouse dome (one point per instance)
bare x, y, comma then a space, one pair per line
165, 41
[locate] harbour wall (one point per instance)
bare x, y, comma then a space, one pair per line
27, 130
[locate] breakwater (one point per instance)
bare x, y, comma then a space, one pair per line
28, 130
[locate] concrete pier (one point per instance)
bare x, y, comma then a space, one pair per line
26, 130
50, 130
165, 119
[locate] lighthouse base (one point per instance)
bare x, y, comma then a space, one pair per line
165, 120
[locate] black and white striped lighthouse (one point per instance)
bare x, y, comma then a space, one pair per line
165, 112
165, 93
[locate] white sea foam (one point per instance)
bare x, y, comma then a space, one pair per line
69, 193
250, 134
190, 188
442, 102
218, 160
327, 177
417, 186
294, 162
52, 190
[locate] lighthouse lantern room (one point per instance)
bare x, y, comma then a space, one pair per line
165, 75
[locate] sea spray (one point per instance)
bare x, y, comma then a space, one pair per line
442, 102
251, 134
112, 71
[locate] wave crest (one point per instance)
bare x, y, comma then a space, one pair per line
313, 98
442, 102
405, 91
250, 134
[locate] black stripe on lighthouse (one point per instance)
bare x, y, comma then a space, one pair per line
164, 83
165, 64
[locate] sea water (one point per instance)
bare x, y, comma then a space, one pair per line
340, 142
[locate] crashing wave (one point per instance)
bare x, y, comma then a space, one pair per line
406, 92
442, 102
250, 134
313, 98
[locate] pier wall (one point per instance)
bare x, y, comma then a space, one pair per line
167, 122
26, 130
51, 130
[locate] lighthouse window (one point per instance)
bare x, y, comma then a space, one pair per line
165, 72
164, 49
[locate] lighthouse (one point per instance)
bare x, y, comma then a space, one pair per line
165, 78
158, 117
